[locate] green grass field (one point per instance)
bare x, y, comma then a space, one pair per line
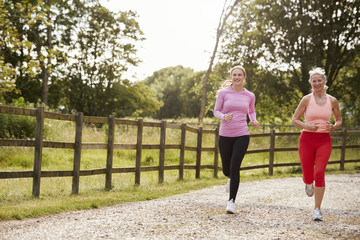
16, 201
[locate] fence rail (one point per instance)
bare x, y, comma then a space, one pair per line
110, 146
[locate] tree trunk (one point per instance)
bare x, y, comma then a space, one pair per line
44, 68
219, 32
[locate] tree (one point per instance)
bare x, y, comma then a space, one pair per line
35, 62
190, 95
226, 12
303, 34
280, 41
219, 73
349, 85
100, 50
43, 48
70, 54
16, 60
174, 88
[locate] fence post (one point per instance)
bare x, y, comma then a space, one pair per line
162, 151
216, 152
272, 150
182, 151
110, 152
38, 151
77, 153
198, 152
138, 152
343, 148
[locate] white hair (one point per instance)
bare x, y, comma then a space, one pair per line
319, 71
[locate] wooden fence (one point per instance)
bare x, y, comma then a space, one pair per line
110, 146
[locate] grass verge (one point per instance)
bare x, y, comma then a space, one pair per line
25, 206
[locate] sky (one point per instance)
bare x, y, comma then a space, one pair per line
177, 32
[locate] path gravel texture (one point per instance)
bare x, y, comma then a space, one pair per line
268, 209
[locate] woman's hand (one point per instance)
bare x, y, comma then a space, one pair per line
312, 127
256, 124
228, 117
329, 127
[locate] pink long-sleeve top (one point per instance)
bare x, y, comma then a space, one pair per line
239, 104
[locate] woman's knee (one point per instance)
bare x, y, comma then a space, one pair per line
226, 172
319, 178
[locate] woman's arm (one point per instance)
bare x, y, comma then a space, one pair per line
336, 112
218, 106
252, 113
299, 112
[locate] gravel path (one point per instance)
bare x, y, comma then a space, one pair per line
268, 209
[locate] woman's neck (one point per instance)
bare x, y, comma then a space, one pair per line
238, 88
320, 94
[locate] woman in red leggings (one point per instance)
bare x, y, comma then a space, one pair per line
315, 140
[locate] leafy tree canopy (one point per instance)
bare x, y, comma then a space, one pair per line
278, 42
76, 52
175, 88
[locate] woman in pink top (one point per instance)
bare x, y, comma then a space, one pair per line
233, 104
315, 141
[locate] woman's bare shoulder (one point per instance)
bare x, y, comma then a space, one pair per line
333, 100
306, 99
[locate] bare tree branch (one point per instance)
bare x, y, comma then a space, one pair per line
225, 14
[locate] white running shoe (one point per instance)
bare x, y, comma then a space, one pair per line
309, 189
227, 186
317, 215
230, 207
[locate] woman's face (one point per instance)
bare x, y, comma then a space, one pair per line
237, 77
317, 82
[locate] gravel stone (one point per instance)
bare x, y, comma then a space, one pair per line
267, 209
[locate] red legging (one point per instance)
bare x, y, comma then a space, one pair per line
314, 152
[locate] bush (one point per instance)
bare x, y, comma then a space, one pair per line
18, 127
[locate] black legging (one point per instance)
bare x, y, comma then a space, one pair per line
232, 152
